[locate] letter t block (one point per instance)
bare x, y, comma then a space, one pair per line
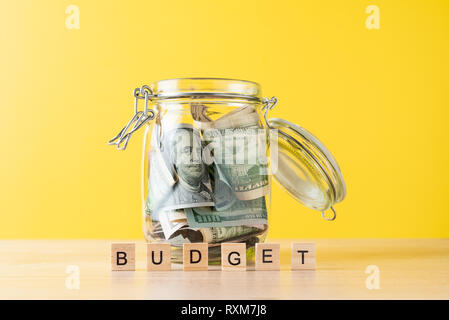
123, 256
303, 256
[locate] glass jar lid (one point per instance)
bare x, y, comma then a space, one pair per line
206, 87
305, 168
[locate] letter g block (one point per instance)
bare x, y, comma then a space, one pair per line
233, 256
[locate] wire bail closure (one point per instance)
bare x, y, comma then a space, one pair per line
268, 104
137, 121
334, 215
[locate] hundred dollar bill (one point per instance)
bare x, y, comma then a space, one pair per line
160, 182
181, 151
224, 196
240, 117
240, 155
217, 234
238, 144
251, 212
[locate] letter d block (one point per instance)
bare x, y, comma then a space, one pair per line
268, 256
123, 256
233, 256
303, 256
158, 257
195, 256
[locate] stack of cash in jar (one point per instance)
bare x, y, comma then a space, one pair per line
208, 181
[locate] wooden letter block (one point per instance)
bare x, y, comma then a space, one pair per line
268, 256
195, 256
158, 257
303, 256
123, 256
233, 256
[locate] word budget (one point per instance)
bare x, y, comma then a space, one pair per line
195, 256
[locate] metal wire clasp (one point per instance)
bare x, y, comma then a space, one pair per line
332, 218
268, 104
138, 120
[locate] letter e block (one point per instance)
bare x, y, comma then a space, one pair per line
158, 257
123, 256
268, 256
303, 256
233, 256
195, 256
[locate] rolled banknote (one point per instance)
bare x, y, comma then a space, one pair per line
199, 112
237, 121
250, 212
240, 117
217, 234
169, 227
176, 228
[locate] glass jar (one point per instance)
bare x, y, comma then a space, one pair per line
208, 157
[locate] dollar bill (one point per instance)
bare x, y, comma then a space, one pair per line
224, 196
217, 234
241, 117
240, 112
181, 151
240, 156
161, 182
176, 228
169, 227
251, 212
237, 121
199, 112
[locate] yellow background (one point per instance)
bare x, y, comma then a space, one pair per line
377, 98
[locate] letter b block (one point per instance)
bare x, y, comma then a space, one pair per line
268, 256
233, 256
195, 256
158, 257
123, 256
303, 256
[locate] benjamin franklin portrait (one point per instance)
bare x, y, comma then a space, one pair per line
183, 150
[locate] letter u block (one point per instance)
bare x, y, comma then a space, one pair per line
195, 256
123, 256
158, 257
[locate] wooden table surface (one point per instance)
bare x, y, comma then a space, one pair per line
408, 269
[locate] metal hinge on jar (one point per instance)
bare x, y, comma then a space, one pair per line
137, 121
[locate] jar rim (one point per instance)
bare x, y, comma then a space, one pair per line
206, 87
